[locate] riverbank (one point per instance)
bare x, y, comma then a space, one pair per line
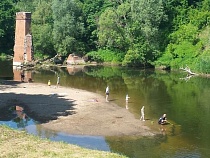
71, 110
19, 144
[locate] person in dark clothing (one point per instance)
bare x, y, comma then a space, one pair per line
22, 76
162, 120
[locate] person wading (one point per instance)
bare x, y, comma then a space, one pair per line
162, 120
107, 93
142, 114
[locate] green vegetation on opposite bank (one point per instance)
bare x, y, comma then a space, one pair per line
169, 33
19, 144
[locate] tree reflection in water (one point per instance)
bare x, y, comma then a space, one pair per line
21, 118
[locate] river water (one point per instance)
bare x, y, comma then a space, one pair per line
185, 101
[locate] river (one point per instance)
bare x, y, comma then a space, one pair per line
185, 101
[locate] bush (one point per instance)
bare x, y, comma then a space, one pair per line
3, 56
202, 63
40, 56
101, 56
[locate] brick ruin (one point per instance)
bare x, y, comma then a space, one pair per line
23, 48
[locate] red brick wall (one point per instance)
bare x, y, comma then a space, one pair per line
23, 25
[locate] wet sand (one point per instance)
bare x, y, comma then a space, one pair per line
70, 110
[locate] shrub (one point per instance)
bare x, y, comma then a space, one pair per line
105, 56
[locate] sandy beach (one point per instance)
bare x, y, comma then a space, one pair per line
71, 110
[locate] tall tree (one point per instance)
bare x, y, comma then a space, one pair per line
92, 10
148, 15
133, 26
7, 26
26, 5
42, 26
113, 26
68, 27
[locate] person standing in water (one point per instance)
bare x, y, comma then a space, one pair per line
58, 81
126, 98
142, 114
107, 93
126, 101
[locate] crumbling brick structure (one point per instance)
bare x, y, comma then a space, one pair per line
23, 48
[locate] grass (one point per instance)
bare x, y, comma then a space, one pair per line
19, 144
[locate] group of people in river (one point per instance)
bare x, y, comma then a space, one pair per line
162, 120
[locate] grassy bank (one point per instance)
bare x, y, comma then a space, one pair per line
19, 144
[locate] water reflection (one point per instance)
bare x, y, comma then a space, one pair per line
19, 120
187, 104
75, 69
163, 129
126, 105
15, 117
22, 75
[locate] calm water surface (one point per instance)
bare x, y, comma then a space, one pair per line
185, 100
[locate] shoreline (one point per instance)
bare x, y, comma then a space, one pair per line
70, 110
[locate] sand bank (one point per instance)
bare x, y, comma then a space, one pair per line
71, 110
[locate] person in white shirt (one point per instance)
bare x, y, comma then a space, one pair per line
126, 98
126, 101
142, 114
107, 93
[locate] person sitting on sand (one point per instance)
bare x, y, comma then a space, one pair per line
162, 120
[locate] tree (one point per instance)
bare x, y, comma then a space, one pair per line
42, 26
147, 16
68, 27
188, 43
113, 27
7, 26
91, 12
134, 27
25, 5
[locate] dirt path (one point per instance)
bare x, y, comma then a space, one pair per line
71, 110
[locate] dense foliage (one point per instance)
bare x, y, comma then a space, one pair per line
171, 33
7, 24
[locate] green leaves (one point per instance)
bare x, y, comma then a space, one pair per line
139, 30
188, 42
105, 56
133, 27
111, 30
7, 26
42, 25
68, 26
186, 32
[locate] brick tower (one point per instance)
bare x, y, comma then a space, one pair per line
23, 48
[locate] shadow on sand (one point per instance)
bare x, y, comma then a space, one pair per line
42, 108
